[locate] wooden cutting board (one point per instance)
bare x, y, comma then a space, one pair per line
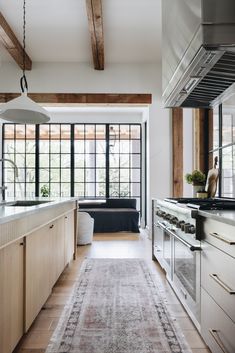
212, 180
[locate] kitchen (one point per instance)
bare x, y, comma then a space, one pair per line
145, 78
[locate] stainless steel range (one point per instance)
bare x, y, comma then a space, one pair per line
177, 245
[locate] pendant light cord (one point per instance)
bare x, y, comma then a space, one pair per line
23, 80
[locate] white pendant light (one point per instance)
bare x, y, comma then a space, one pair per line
23, 109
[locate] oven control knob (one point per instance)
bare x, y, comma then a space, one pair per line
186, 227
163, 215
191, 229
173, 220
178, 224
182, 223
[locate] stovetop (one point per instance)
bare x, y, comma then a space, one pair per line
205, 204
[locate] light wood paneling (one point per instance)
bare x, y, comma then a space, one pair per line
83, 98
12, 45
95, 22
69, 237
57, 233
11, 296
37, 272
177, 145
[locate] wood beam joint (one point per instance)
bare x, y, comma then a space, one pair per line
12, 45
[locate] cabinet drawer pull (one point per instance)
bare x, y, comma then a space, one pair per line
51, 226
66, 217
220, 237
215, 334
221, 283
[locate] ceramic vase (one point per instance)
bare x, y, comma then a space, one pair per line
196, 188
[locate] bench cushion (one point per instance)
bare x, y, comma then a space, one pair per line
114, 219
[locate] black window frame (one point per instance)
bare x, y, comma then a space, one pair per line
73, 154
219, 151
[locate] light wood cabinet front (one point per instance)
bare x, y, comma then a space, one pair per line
11, 295
57, 230
38, 266
48, 250
69, 237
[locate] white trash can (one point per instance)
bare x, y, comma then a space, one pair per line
85, 228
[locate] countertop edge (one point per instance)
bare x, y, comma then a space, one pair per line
21, 212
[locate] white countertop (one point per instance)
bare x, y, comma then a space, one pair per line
9, 213
225, 216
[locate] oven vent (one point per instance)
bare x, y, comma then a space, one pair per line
214, 83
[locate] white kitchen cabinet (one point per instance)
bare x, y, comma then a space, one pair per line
11, 295
217, 277
218, 330
218, 286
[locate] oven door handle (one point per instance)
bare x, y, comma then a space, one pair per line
191, 247
161, 225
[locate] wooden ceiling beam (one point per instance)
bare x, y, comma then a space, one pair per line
83, 98
95, 22
12, 45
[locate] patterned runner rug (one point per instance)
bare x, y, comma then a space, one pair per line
116, 307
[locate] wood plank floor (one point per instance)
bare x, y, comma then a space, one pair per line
114, 245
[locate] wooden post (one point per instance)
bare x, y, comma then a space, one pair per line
177, 153
203, 139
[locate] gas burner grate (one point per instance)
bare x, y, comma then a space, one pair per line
205, 204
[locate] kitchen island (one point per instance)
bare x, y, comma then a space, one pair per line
37, 241
217, 279
194, 242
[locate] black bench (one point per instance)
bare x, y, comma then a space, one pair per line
112, 215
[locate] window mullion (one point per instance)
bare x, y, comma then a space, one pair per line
107, 161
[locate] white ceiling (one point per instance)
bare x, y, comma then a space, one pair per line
57, 30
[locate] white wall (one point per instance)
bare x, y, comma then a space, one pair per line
116, 78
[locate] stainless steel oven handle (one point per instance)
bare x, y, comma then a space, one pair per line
161, 225
221, 237
221, 283
215, 334
191, 247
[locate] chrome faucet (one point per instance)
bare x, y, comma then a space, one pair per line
3, 187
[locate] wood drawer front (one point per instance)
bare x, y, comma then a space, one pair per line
214, 318
217, 277
219, 234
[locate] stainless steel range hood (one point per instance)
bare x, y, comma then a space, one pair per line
198, 46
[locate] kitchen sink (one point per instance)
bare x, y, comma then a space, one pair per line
26, 203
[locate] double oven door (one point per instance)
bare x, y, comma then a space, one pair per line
180, 259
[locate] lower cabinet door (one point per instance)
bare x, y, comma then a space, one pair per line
217, 329
11, 295
69, 237
38, 268
56, 230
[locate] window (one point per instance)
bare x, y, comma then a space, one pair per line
224, 145
19, 146
85, 160
55, 158
90, 160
